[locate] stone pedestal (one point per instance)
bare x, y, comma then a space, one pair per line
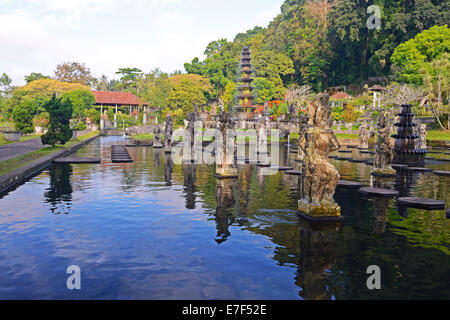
225, 146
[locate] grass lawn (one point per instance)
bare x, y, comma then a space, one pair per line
438, 135
22, 139
347, 136
6, 124
143, 137
15, 163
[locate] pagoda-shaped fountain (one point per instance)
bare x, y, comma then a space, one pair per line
245, 89
405, 151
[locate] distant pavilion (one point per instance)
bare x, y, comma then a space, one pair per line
117, 100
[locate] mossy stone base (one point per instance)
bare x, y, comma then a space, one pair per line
322, 210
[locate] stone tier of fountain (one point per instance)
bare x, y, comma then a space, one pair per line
405, 151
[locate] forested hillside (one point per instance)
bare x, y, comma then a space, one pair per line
319, 43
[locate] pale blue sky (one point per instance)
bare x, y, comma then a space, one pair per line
35, 35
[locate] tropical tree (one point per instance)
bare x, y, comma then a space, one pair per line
81, 100
60, 113
74, 72
35, 76
415, 55
436, 78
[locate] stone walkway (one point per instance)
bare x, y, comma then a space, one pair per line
13, 150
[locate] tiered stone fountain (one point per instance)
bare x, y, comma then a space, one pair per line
405, 151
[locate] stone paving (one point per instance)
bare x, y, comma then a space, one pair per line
13, 150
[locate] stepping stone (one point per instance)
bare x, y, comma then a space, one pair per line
345, 151
349, 184
419, 169
367, 152
122, 161
399, 167
293, 151
442, 173
343, 158
332, 157
281, 168
352, 147
442, 159
422, 203
78, 160
358, 160
264, 165
377, 192
294, 172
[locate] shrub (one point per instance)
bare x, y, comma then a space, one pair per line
60, 113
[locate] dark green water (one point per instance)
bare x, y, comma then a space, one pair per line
155, 230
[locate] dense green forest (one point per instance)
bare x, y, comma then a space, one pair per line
321, 43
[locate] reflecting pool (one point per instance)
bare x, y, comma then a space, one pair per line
153, 229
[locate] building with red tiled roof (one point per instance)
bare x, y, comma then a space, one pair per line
110, 98
340, 96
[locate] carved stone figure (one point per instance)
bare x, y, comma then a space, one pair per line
384, 152
423, 136
261, 146
157, 138
320, 177
303, 127
363, 136
188, 142
225, 145
168, 134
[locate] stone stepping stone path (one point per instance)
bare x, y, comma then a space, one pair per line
332, 157
442, 173
377, 192
119, 154
419, 169
345, 151
422, 203
294, 172
352, 147
366, 152
349, 184
78, 160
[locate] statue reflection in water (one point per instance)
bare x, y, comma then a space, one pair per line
168, 169
225, 202
59, 194
189, 185
317, 256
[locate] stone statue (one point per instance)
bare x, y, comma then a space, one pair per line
168, 134
384, 152
266, 110
363, 136
157, 138
188, 142
423, 136
225, 145
320, 177
303, 127
261, 146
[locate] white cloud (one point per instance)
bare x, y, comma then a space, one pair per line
109, 34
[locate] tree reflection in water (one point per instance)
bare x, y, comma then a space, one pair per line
59, 194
